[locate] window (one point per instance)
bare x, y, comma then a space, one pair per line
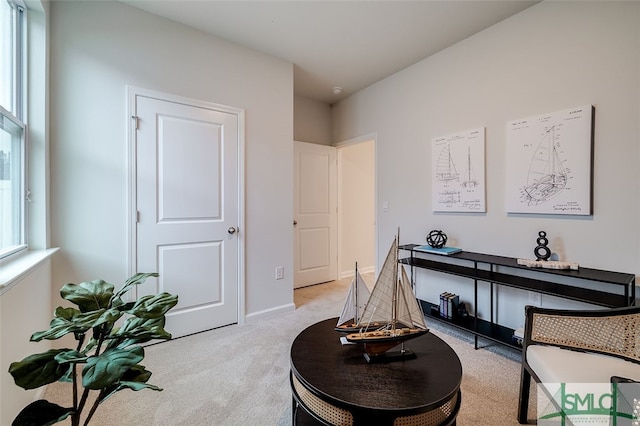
12, 129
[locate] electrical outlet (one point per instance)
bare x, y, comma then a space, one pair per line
279, 272
535, 299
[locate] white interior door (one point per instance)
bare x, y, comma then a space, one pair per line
187, 198
315, 203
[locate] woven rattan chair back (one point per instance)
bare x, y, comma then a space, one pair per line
617, 335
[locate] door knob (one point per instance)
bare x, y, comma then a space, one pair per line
232, 230
295, 222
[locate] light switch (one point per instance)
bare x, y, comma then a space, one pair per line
385, 206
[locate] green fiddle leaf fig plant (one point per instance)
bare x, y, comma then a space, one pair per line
108, 332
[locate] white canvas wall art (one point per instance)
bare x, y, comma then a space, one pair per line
549, 163
458, 175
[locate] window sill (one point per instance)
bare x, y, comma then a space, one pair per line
12, 270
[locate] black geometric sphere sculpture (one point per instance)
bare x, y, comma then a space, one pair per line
436, 239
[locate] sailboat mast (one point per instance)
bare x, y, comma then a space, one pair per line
357, 317
394, 302
550, 152
469, 164
553, 153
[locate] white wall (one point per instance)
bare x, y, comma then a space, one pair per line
356, 208
24, 309
311, 121
97, 49
552, 56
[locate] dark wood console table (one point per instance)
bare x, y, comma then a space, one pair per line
603, 288
335, 385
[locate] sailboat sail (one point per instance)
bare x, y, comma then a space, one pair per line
379, 307
409, 311
355, 303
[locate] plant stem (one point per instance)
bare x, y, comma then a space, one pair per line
85, 393
94, 407
74, 375
83, 401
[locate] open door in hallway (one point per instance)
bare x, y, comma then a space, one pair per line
315, 201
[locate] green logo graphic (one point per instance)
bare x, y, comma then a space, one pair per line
610, 404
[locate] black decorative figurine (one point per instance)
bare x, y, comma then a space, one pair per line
541, 251
437, 239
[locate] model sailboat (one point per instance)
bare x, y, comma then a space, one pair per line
354, 305
392, 314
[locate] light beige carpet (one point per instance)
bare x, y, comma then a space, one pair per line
239, 374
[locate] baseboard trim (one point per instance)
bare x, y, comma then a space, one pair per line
260, 315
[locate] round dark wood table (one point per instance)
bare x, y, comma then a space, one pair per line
335, 385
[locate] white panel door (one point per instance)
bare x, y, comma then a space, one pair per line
187, 190
315, 203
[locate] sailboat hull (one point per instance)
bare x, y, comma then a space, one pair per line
353, 327
379, 341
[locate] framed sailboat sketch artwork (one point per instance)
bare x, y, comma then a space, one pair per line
458, 183
550, 163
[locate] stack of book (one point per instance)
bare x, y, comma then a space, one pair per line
449, 305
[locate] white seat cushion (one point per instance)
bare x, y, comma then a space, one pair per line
556, 365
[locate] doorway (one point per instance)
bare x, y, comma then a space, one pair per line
354, 171
356, 207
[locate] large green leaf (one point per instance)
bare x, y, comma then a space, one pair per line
110, 316
38, 369
107, 368
138, 330
66, 313
138, 373
134, 386
122, 306
154, 306
70, 356
137, 279
68, 320
89, 295
135, 379
68, 376
41, 413
144, 328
